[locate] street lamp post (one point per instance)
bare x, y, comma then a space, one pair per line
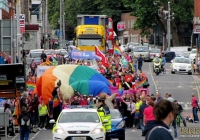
168, 29
61, 26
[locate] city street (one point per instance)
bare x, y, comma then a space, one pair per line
181, 86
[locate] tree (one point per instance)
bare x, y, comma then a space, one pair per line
147, 14
53, 13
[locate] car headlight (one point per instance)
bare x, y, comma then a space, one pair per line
59, 130
97, 130
121, 124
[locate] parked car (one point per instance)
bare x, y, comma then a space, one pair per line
192, 54
130, 46
34, 54
154, 52
169, 55
123, 48
181, 65
144, 51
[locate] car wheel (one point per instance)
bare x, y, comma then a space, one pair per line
172, 72
189, 73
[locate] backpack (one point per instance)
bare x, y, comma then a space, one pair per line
25, 120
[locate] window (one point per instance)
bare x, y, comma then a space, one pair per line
182, 60
89, 42
74, 117
115, 114
141, 49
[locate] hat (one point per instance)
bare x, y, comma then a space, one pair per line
101, 100
90, 95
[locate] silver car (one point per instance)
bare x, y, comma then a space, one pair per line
143, 50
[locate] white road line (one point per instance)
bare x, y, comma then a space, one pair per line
154, 82
15, 136
35, 135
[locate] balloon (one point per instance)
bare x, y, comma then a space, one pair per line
83, 79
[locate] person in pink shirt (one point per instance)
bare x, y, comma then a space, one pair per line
148, 113
195, 108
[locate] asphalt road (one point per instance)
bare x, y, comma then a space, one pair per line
181, 86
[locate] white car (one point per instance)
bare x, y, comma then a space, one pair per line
181, 65
78, 124
192, 54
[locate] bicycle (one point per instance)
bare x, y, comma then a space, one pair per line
179, 120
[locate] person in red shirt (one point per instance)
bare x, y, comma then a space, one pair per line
195, 108
148, 113
84, 101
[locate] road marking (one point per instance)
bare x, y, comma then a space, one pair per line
35, 135
198, 92
154, 82
15, 136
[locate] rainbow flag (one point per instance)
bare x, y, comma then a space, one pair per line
120, 89
110, 81
56, 102
141, 83
132, 66
117, 50
31, 85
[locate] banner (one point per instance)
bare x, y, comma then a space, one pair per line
41, 70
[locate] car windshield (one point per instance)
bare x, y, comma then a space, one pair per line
35, 55
193, 51
141, 49
76, 117
64, 52
182, 60
115, 114
155, 51
89, 42
49, 52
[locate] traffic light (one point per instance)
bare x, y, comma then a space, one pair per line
160, 41
157, 39
142, 42
152, 39
149, 39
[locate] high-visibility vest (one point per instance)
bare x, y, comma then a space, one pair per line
105, 116
42, 110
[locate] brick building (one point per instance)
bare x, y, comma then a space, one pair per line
129, 35
196, 21
6, 9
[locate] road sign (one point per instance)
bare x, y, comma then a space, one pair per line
120, 26
22, 22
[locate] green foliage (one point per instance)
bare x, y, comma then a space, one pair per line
75, 7
53, 13
183, 10
146, 12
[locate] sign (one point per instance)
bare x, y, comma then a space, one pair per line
20, 79
3, 77
120, 26
21, 22
41, 70
189, 132
197, 29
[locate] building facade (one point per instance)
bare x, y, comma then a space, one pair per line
6, 9
129, 34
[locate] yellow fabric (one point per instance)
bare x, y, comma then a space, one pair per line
137, 105
42, 110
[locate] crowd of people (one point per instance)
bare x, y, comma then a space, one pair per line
143, 111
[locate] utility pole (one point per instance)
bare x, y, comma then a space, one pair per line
46, 23
168, 28
18, 30
61, 30
64, 42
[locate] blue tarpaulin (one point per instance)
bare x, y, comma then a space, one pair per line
83, 55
